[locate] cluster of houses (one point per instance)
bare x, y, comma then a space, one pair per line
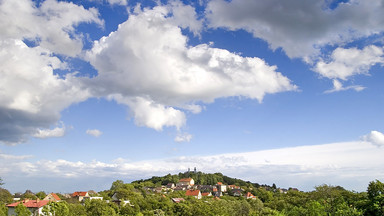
36, 206
199, 191
185, 184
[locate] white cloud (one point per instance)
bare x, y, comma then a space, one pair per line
47, 133
147, 65
351, 165
345, 63
32, 95
94, 132
112, 2
300, 28
51, 25
338, 86
118, 2
184, 137
185, 16
375, 138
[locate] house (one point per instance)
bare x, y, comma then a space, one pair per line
171, 185
206, 194
96, 198
221, 187
194, 193
80, 195
158, 189
177, 200
181, 187
186, 181
34, 206
52, 197
237, 192
233, 187
250, 196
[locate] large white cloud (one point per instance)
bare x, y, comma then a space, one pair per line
32, 95
147, 65
300, 27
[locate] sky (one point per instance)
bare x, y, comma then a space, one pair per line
282, 91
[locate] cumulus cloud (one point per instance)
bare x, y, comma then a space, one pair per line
183, 137
345, 63
147, 65
375, 138
302, 166
300, 28
31, 93
51, 25
185, 16
94, 132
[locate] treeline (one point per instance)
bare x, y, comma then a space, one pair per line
324, 200
200, 178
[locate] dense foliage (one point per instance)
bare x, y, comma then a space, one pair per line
324, 200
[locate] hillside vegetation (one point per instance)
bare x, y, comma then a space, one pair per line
145, 199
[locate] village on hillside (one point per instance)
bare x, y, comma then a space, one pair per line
195, 193
185, 187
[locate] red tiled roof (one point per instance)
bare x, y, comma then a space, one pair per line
205, 194
177, 200
219, 183
31, 203
55, 196
79, 193
192, 192
250, 195
185, 180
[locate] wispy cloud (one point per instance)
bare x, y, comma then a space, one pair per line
94, 132
183, 137
354, 163
47, 133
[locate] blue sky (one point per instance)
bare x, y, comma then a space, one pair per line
285, 92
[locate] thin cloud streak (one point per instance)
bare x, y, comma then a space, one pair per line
303, 166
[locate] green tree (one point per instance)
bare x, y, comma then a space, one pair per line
375, 198
5, 196
41, 195
3, 210
28, 194
56, 209
76, 210
21, 210
99, 208
117, 185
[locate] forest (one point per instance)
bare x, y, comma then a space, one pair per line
270, 200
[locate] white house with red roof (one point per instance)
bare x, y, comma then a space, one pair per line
80, 195
222, 187
250, 196
52, 197
194, 193
34, 206
186, 182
